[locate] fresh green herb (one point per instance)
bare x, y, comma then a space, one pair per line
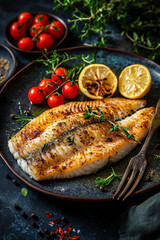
70, 141
157, 156
89, 113
138, 20
24, 192
57, 59
22, 118
45, 145
103, 182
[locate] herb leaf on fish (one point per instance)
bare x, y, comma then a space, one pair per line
89, 113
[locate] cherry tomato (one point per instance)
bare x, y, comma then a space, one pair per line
47, 86
25, 18
41, 19
55, 99
26, 44
46, 41
60, 75
56, 29
36, 95
17, 30
70, 90
35, 28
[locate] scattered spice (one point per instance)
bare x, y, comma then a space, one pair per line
113, 191
7, 176
33, 215
34, 224
23, 214
16, 206
150, 176
49, 214
12, 116
4, 68
40, 233
15, 182
28, 112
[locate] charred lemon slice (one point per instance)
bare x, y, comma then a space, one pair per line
135, 81
97, 81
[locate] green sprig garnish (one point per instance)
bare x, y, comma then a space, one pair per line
103, 182
70, 141
138, 21
89, 113
157, 156
22, 118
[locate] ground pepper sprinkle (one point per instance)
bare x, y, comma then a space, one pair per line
4, 68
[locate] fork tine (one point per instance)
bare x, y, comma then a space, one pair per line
123, 180
134, 172
135, 184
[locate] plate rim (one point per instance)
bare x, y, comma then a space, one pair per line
36, 51
67, 197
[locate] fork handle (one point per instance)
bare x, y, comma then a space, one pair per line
154, 125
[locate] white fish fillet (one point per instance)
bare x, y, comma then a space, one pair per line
42, 150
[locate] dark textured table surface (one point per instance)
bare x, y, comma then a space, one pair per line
91, 220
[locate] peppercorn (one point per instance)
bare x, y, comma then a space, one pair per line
7, 176
34, 224
40, 233
52, 234
15, 182
28, 112
23, 214
33, 215
12, 116
46, 231
101, 188
16, 206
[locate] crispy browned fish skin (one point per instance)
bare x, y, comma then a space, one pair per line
114, 106
90, 151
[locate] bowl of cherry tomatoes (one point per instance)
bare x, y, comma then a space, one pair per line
35, 32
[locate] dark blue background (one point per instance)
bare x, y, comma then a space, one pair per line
94, 221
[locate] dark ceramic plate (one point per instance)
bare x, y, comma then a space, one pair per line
14, 43
6, 53
14, 96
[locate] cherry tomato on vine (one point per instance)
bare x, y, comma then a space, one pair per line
55, 99
56, 29
41, 19
17, 30
60, 75
26, 19
36, 95
47, 86
26, 44
46, 41
35, 28
70, 90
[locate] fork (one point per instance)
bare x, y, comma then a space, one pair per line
138, 163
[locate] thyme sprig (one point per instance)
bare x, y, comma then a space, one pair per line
57, 59
103, 182
138, 20
22, 118
157, 156
89, 113
70, 141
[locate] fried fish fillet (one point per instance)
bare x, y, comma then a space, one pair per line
42, 149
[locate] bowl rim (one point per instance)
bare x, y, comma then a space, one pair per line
6, 32
14, 62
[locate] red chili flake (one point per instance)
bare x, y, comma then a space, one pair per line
68, 231
53, 223
61, 238
74, 237
49, 214
60, 230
